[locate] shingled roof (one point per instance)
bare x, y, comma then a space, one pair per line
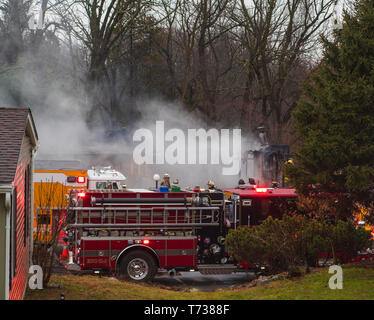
14, 123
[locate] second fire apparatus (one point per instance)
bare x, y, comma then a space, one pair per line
136, 233
250, 205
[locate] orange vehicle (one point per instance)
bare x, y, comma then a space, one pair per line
50, 188
53, 181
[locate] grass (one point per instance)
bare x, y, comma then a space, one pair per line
358, 283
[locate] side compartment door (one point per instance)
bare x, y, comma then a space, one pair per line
181, 251
96, 253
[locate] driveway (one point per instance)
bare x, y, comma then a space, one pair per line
205, 282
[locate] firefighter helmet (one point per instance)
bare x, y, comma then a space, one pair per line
251, 181
165, 180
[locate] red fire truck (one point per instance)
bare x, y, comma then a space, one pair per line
136, 233
251, 205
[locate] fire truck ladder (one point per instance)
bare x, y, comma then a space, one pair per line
129, 218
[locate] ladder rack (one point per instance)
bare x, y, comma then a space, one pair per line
127, 218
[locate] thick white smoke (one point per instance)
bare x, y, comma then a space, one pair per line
174, 116
65, 135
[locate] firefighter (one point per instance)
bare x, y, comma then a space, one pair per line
175, 186
211, 186
286, 180
165, 181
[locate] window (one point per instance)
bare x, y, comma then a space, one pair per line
229, 212
26, 216
262, 208
107, 185
44, 219
100, 185
13, 237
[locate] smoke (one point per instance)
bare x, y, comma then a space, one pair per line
174, 116
64, 134
60, 110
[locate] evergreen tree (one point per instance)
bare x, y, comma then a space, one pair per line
335, 114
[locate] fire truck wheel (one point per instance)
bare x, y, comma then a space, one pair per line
138, 266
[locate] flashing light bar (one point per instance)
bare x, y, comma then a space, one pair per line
261, 190
73, 179
81, 179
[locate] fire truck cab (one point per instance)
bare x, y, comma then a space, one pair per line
249, 205
102, 178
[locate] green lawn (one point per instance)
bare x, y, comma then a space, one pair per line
358, 283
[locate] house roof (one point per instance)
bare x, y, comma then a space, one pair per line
15, 123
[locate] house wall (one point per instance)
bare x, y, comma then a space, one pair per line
3, 246
21, 225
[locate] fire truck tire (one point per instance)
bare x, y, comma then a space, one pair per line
138, 265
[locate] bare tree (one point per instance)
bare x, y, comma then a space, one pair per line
193, 32
50, 220
165, 44
102, 27
276, 37
213, 26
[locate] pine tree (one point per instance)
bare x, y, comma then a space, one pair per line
335, 114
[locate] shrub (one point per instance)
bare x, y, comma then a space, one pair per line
294, 241
347, 240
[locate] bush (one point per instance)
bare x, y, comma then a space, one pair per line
347, 240
294, 241
276, 243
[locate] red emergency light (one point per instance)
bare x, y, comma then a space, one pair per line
81, 194
145, 241
81, 179
261, 190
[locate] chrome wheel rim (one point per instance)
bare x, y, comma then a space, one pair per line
137, 269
